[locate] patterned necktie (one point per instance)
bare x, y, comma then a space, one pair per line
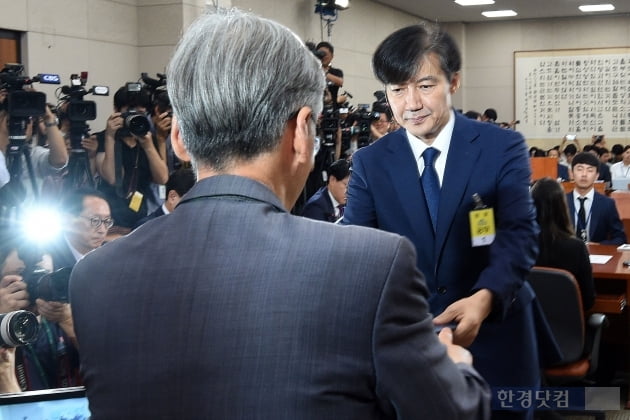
581, 222
431, 184
341, 207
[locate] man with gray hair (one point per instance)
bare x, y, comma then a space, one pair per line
250, 312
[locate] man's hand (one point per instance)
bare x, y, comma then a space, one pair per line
458, 354
469, 313
13, 294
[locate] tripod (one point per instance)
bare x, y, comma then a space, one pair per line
12, 195
79, 173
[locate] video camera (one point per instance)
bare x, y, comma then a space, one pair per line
21, 103
78, 110
364, 119
157, 87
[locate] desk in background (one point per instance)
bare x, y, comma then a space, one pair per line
614, 278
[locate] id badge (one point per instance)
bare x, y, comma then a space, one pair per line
136, 201
482, 230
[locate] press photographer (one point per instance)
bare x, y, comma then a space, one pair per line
25, 163
73, 113
334, 76
131, 160
51, 360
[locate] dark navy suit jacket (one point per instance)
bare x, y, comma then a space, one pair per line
320, 206
605, 225
385, 192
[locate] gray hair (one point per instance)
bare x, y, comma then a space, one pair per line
234, 81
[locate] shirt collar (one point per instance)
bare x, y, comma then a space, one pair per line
441, 142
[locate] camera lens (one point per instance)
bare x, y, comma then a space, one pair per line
18, 328
137, 124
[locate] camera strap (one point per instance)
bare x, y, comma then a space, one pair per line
118, 164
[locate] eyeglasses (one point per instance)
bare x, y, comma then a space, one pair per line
316, 145
97, 221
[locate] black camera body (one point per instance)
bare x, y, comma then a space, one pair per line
47, 286
329, 126
135, 122
364, 120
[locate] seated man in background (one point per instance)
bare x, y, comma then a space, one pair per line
595, 216
253, 312
621, 169
328, 203
178, 184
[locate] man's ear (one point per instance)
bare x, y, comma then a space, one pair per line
177, 141
455, 82
302, 143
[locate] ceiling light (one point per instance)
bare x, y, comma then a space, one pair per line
596, 7
499, 13
473, 2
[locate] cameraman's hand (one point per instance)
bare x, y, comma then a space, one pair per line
13, 294
163, 125
8, 381
90, 144
114, 123
54, 311
60, 313
145, 141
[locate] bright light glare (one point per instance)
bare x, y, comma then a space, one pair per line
40, 225
499, 13
596, 7
473, 2
342, 4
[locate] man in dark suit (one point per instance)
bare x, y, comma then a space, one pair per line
179, 183
246, 311
398, 185
595, 216
87, 217
329, 202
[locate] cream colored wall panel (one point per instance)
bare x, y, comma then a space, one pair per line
189, 14
159, 25
59, 17
14, 15
154, 60
112, 22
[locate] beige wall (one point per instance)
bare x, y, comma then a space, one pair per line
116, 40
489, 56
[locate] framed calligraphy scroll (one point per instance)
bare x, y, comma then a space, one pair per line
581, 91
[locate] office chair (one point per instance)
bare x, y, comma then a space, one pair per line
578, 338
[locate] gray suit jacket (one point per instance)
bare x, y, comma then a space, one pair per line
232, 308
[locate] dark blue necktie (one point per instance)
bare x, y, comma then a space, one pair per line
431, 183
581, 222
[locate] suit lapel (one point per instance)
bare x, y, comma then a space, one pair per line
595, 215
460, 162
402, 169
